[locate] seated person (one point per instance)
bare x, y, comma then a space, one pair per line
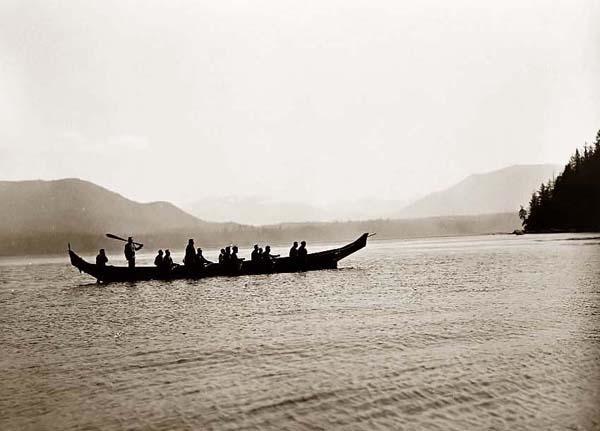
267, 256
302, 253
234, 257
294, 250
167, 261
158, 260
202, 261
227, 256
222, 256
255, 255
101, 259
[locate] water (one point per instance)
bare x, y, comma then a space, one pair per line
492, 332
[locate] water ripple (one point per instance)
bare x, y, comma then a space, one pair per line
445, 334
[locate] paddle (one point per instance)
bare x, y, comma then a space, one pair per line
110, 235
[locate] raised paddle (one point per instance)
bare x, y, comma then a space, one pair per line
110, 235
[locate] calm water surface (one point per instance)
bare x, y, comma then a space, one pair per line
492, 332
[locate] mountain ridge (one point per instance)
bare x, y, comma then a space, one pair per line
497, 191
41, 217
75, 205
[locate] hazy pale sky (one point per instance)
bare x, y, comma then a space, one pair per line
295, 100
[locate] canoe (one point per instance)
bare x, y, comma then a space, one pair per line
327, 259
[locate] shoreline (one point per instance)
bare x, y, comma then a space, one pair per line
4, 259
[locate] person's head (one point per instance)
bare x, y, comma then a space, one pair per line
167, 252
228, 249
222, 251
260, 250
130, 239
160, 252
191, 241
295, 243
199, 250
255, 246
102, 251
303, 243
235, 249
268, 248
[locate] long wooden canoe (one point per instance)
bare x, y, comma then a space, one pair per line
327, 259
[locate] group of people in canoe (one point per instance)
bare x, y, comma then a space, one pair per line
194, 259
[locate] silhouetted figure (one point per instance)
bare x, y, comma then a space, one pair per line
255, 255
158, 260
201, 260
101, 259
222, 256
234, 257
167, 261
267, 256
302, 254
130, 249
294, 250
227, 256
190, 254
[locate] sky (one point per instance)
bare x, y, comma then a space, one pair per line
308, 101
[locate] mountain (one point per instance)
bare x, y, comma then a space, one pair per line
41, 217
499, 191
73, 205
253, 210
261, 211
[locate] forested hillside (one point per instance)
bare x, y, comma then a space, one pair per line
571, 201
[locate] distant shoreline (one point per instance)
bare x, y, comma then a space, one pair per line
274, 244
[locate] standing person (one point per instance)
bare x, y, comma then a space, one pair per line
222, 256
294, 250
130, 249
101, 259
158, 260
254, 256
190, 254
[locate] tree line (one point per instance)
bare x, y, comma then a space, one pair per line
569, 202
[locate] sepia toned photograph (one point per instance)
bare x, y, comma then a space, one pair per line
299, 215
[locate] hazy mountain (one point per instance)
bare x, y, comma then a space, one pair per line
493, 192
41, 217
253, 210
262, 211
500, 191
73, 205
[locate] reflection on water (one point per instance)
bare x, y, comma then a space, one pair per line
458, 333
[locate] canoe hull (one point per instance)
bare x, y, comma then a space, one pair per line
327, 259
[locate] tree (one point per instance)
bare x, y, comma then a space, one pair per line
576, 160
523, 215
